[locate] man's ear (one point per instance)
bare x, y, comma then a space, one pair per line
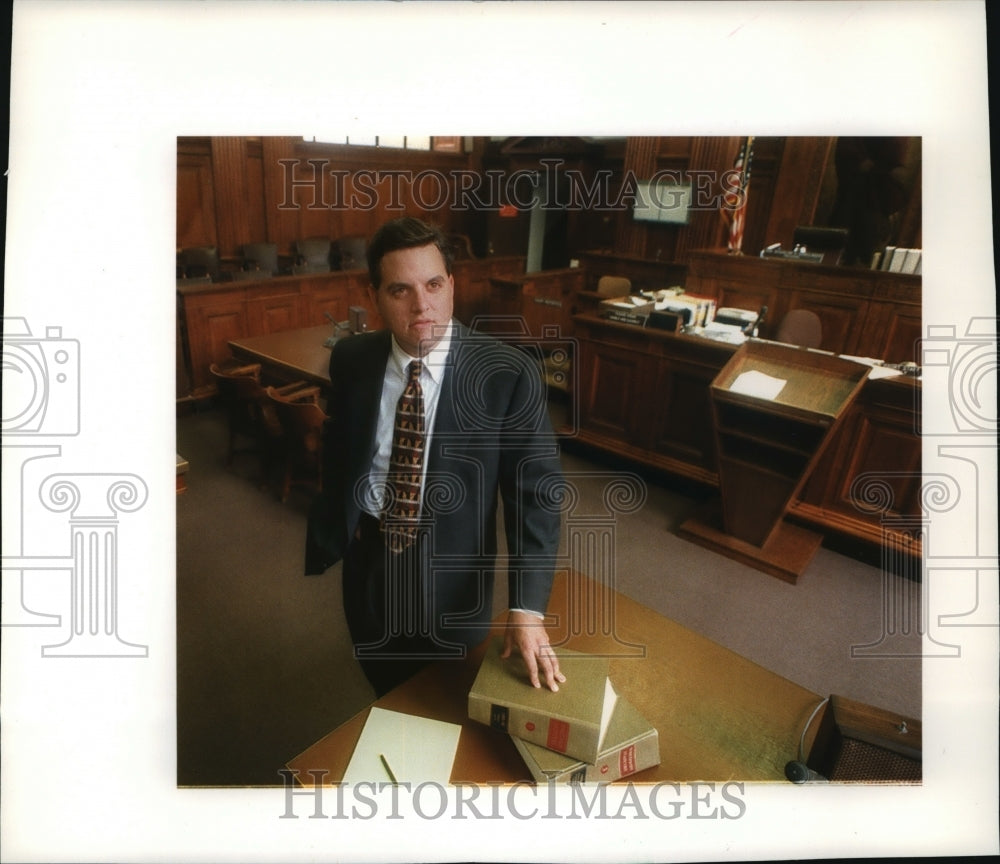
373, 294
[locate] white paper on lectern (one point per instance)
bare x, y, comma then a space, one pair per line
417, 749
760, 384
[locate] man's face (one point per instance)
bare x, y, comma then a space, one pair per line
416, 297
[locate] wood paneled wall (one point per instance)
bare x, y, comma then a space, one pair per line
236, 190
785, 181
233, 190
195, 197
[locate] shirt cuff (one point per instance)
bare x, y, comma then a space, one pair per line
538, 615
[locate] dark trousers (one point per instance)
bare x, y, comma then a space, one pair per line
387, 612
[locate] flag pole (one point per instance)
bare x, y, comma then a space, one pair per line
737, 193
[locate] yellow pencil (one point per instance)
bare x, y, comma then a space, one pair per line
388, 770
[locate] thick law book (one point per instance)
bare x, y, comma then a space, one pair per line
631, 744
571, 721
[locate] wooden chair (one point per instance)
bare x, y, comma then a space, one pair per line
800, 327
301, 419
249, 413
461, 247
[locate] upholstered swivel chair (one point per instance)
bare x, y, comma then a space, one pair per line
301, 419
199, 261
351, 253
829, 242
260, 257
313, 255
614, 286
800, 327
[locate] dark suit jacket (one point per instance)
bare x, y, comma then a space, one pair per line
491, 441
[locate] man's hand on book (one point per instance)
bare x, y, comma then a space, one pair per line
526, 633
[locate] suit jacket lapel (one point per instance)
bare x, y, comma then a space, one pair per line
444, 434
363, 414
372, 390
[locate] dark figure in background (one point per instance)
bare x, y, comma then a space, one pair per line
870, 194
418, 577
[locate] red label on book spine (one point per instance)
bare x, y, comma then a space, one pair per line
626, 761
558, 736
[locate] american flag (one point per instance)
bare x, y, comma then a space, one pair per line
735, 196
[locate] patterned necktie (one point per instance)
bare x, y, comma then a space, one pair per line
402, 506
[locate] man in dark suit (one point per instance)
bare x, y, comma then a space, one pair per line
418, 559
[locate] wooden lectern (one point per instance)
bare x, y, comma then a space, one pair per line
774, 407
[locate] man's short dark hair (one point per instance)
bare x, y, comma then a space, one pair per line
407, 232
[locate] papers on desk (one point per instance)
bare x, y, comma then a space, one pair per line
882, 372
878, 369
416, 749
719, 327
759, 384
719, 332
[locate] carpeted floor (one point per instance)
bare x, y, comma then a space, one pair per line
264, 665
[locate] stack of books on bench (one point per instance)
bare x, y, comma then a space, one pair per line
627, 310
584, 733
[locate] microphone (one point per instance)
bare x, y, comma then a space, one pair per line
799, 772
753, 327
760, 320
337, 325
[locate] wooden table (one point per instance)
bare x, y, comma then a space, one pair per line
292, 355
720, 717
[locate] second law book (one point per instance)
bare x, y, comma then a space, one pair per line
572, 721
630, 745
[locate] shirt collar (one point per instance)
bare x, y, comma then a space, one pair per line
434, 361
